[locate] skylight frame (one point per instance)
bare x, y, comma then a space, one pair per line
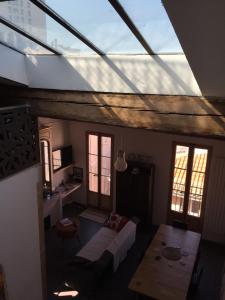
119, 9
151, 40
27, 35
49, 9
130, 24
51, 13
11, 47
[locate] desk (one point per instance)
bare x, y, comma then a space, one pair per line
165, 279
53, 205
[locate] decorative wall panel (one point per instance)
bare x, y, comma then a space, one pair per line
19, 144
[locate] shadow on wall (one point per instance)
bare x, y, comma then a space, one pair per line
168, 75
133, 74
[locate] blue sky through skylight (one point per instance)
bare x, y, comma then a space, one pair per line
100, 23
153, 22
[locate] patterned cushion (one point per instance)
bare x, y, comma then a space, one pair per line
116, 222
123, 222
113, 221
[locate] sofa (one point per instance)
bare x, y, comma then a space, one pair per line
102, 254
117, 243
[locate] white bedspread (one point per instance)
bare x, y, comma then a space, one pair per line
98, 244
118, 243
121, 243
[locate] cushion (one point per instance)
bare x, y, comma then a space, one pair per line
123, 222
116, 222
113, 221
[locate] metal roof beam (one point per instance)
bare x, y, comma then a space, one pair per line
45, 8
28, 35
11, 47
125, 17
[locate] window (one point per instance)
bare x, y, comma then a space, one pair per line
99, 170
46, 164
57, 159
189, 174
94, 157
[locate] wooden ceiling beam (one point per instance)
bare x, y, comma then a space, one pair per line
187, 115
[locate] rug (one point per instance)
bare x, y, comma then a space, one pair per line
94, 215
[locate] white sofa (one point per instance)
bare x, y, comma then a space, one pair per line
118, 243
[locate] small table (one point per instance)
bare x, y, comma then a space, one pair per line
68, 231
164, 279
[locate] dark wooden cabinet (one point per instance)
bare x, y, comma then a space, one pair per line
134, 191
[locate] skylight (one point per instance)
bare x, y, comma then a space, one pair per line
25, 15
73, 27
154, 24
99, 22
15, 40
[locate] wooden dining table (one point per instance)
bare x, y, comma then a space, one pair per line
161, 278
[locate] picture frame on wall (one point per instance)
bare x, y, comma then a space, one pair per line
2, 284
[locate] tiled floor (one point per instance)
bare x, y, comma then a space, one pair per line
114, 286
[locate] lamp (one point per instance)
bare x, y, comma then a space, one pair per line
120, 164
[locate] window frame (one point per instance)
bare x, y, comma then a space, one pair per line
49, 184
100, 134
184, 216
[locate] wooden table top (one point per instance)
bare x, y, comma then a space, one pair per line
165, 279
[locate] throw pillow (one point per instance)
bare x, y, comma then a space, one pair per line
113, 221
122, 223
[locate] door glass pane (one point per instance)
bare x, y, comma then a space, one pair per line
93, 182
106, 146
105, 185
93, 144
106, 166
100, 23
93, 163
45, 160
197, 182
179, 178
29, 17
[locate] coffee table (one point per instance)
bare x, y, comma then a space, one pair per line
68, 231
164, 279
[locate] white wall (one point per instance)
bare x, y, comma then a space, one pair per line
19, 249
159, 146
164, 74
12, 65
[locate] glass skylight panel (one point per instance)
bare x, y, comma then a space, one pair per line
98, 21
19, 42
151, 19
30, 18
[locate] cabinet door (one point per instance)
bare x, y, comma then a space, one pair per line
132, 190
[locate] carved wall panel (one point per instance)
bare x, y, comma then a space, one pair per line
19, 145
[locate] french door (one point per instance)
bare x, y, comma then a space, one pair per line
190, 170
99, 170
